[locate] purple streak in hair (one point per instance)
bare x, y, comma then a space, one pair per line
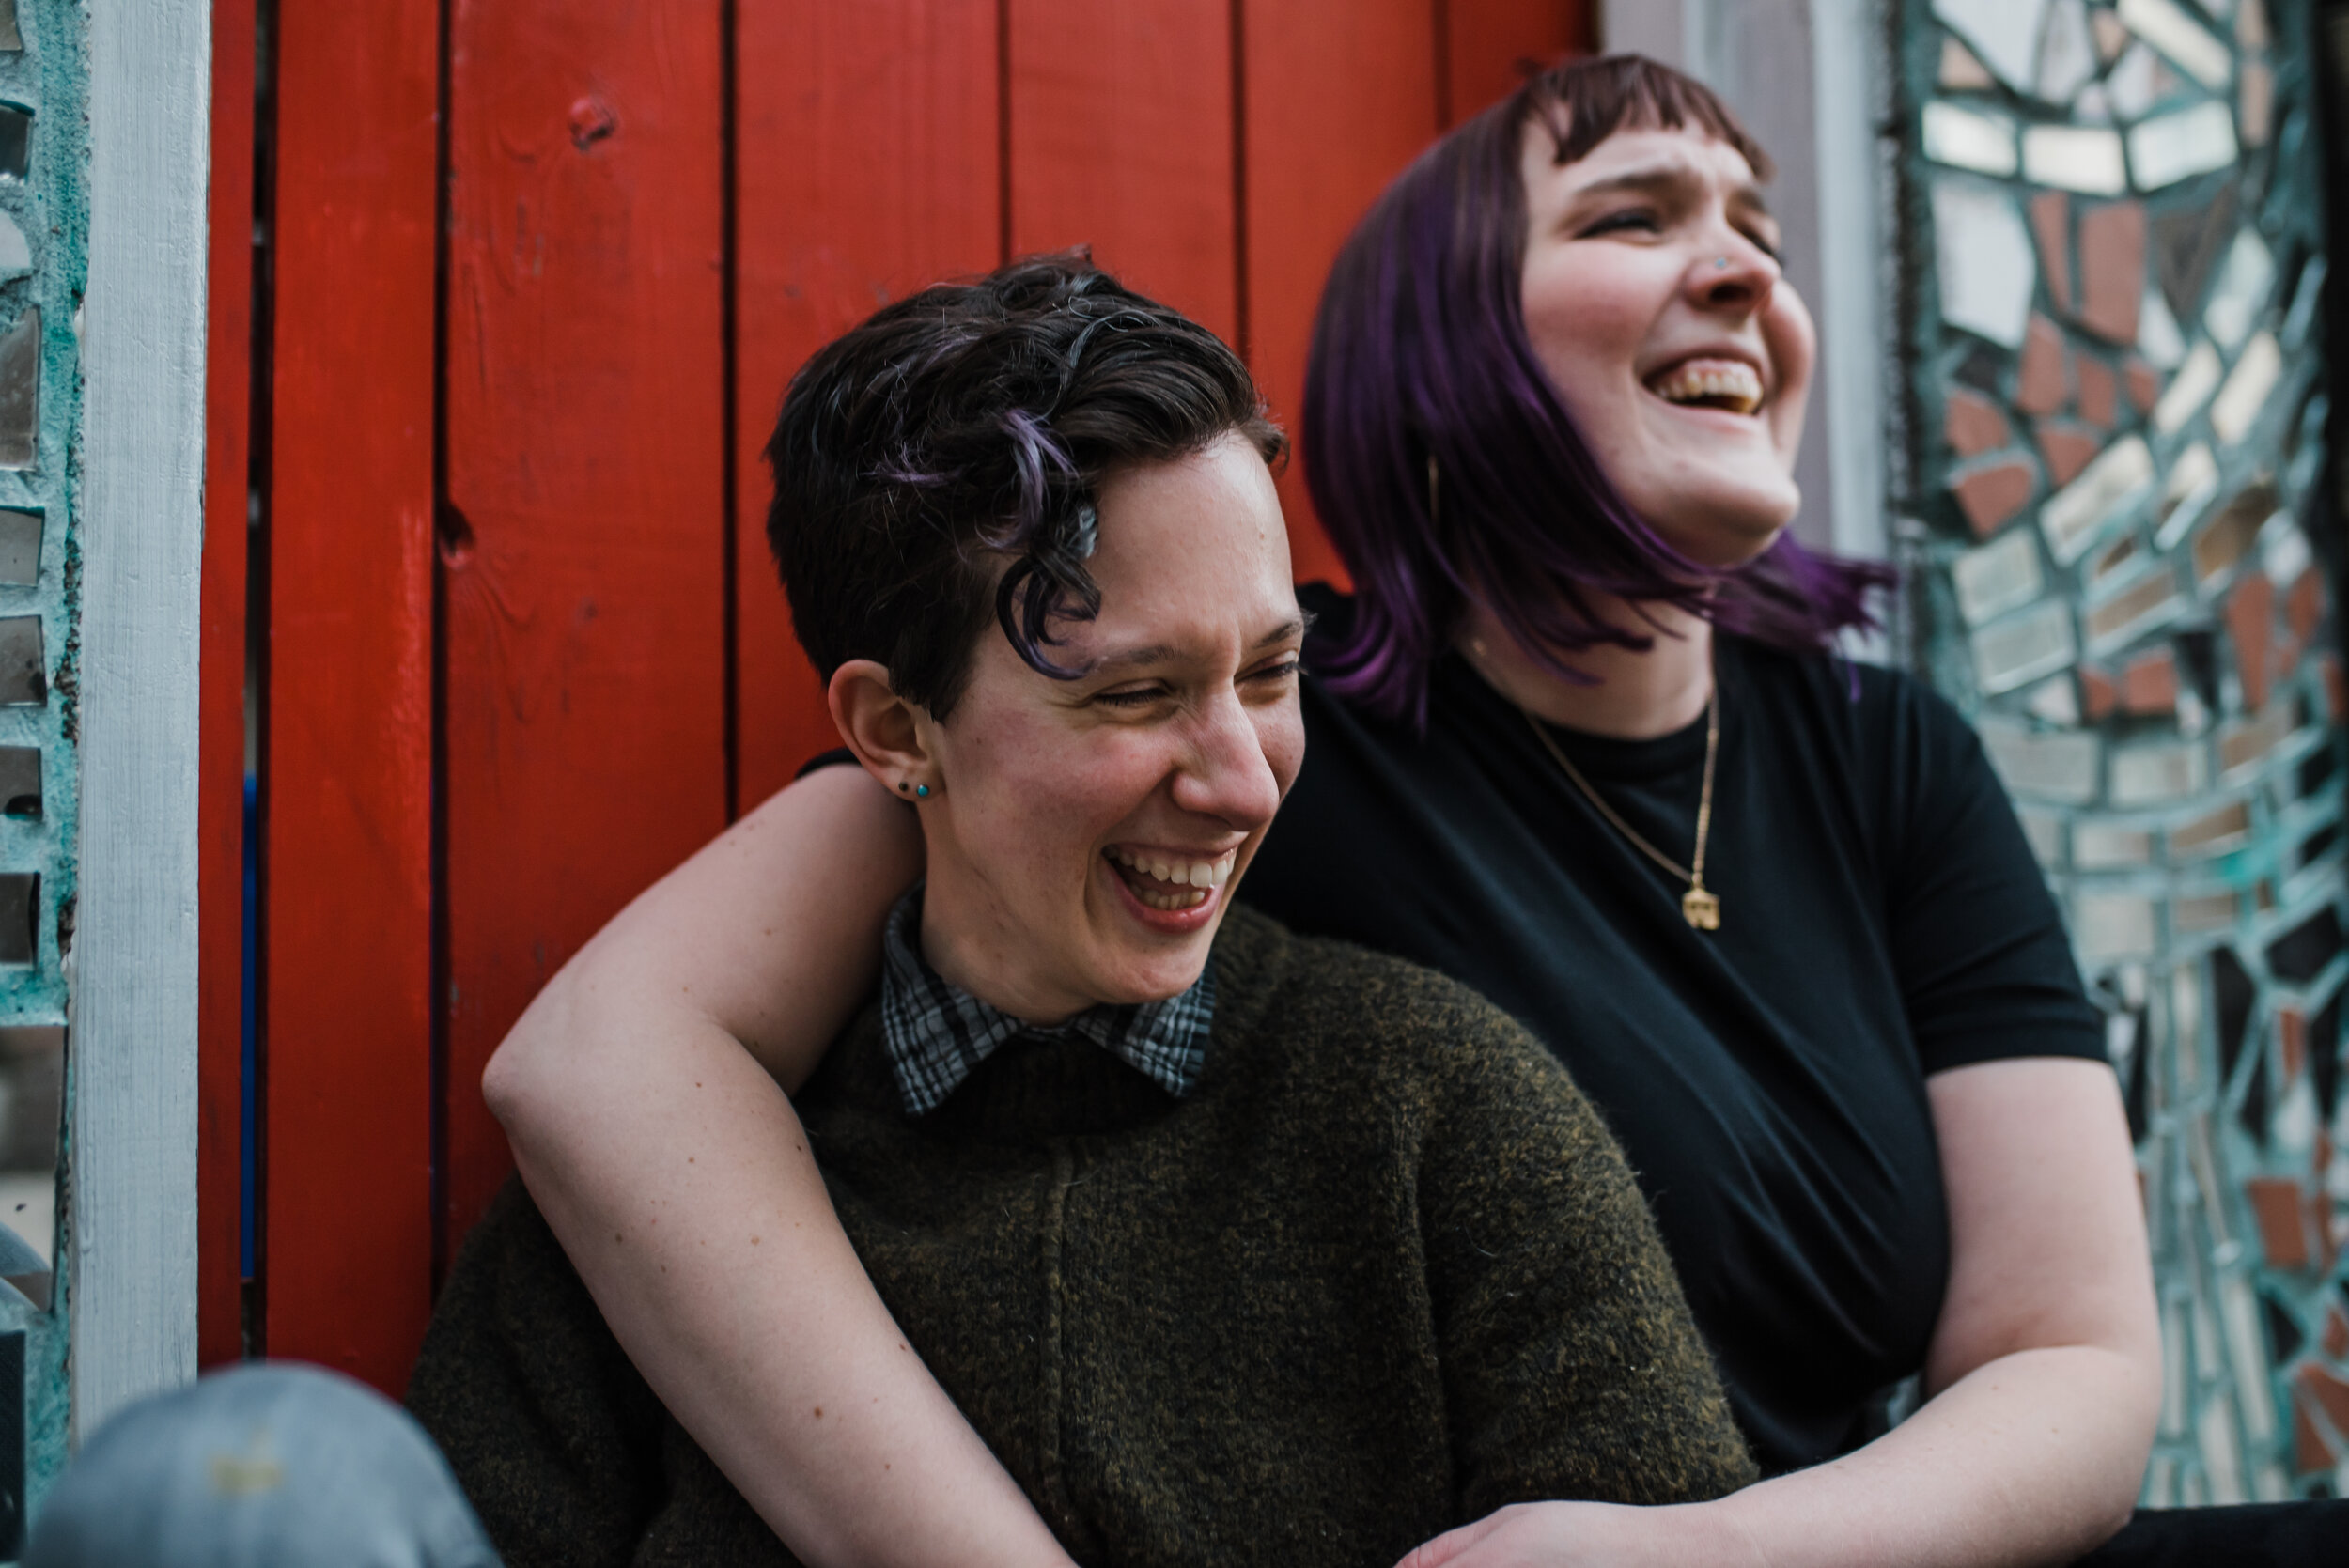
1440, 459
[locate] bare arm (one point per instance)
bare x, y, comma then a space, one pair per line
673, 1168
2044, 1373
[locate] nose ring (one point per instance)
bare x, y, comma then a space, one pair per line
1719, 262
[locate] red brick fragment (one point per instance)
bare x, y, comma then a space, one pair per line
2148, 683
2098, 694
2278, 1206
2304, 607
1991, 494
2112, 270
2311, 1452
2051, 226
2144, 383
2328, 1393
2292, 1033
2336, 688
2252, 623
2335, 1340
2100, 391
1973, 424
2040, 386
2067, 446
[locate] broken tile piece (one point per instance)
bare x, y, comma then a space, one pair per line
16, 256
2112, 269
2067, 51
19, 391
2082, 158
16, 140
1960, 71
2188, 390
2077, 515
2004, 33
2279, 1208
2232, 534
2214, 832
2150, 601
2148, 683
2335, 1336
2156, 774
1997, 578
2238, 405
1993, 493
2111, 36
2102, 847
2250, 616
2247, 742
2130, 84
2169, 148
1966, 139
2304, 605
2166, 26
2244, 280
2051, 226
2024, 647
1972, 425
2109, 927
2056, 765
2205, 912
2311, 1452
2040, 384
2158, 336
2067, 447
2056, 701
12, 37
2099, 391
2144, 384
2250, 24
2255, 104
2099, 693
2191, 486
1984, 254
2187, 241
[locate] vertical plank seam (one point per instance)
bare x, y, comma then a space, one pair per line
1243, 322
1440, 19
437, 972
729, 406
1002, 129
260, 458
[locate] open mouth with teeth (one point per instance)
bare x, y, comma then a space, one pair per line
1169, 883
1729, 384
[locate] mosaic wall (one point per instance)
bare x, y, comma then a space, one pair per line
2114, 351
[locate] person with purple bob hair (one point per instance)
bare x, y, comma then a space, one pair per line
1580, 738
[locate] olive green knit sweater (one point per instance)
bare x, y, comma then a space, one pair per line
1382, 1273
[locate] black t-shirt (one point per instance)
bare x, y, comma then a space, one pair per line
1882, 920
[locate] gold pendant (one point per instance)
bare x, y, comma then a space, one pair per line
1700, 909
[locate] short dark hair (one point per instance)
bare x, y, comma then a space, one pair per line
941, 461
1436, 447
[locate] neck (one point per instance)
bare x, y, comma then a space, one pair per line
963, 936
1637, 694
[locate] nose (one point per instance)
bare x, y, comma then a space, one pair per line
1227, 774
1733, 273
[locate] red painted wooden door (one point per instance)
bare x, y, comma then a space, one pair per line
535, 277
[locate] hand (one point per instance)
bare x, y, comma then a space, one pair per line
1592, 1535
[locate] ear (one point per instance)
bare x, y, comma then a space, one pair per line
880, 727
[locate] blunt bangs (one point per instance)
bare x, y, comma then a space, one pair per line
1438, 454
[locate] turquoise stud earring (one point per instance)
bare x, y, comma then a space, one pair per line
923, 791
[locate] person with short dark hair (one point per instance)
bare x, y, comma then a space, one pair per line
1236, 1247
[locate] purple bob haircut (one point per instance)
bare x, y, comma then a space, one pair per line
1438, 454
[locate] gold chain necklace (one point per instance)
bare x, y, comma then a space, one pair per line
1700, 906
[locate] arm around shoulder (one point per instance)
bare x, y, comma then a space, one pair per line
643, 1093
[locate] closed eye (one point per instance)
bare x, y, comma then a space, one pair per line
1637, 218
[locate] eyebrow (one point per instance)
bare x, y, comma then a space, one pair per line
1129, 658
1659, 177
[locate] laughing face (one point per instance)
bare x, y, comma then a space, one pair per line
1087, 832
1654, 301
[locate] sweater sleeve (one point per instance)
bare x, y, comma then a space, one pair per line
553, 1434
1571, 1365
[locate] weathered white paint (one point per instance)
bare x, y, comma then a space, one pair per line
134, 968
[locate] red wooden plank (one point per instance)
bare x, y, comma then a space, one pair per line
866, 149
1491, 43
220, 795
586, 747
347, 853
1339, 100
1121, 138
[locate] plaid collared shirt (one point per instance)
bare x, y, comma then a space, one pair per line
936, 1032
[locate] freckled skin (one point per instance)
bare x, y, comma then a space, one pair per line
1621, 281
1189, 751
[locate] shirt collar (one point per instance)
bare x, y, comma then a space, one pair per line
936, 1033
